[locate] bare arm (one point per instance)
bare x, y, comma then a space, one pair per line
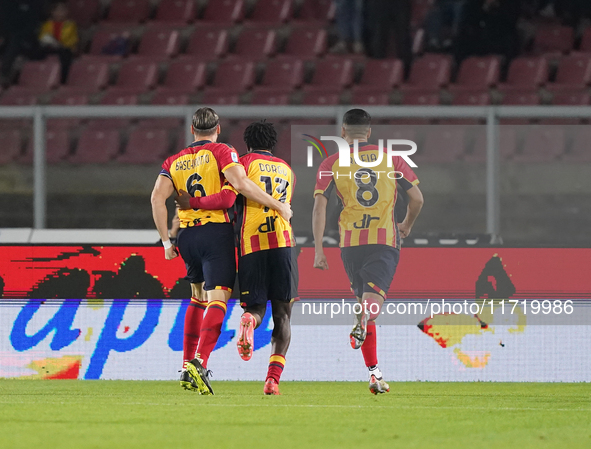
237, 177
415, 204
162, 190
318, 226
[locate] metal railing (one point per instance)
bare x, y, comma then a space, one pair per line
491, 114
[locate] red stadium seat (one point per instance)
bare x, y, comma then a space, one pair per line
272, 11
220, 98
97, 146
554, 39
317, 11
40, 75
11, 145
105, 35
16, 96
471, 99
84, 12
580, 149
176, 11
429, 73
477, 73
120, 97
321, 99
378, 98
574, 72
282, 74
443, 144
542, 144
159, 41
88, 73
255, 42
138, 74
421, 98
571, 98
70, 98
225, 12
306, 42
128, 11
233, 77
526, 73
380, 74
521, 98
331, 74
208, 43
270, 97
184, 75
146, 146
57, 146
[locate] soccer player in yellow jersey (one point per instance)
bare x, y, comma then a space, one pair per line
369, 233
206, 237
267, 266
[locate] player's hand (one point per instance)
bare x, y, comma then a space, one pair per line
171, 253
320, 261
183, 199
404, 229
285, 211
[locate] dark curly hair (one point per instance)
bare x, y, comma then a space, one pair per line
260, 136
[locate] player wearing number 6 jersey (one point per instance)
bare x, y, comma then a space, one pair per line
369, 233
267, 267
206, 237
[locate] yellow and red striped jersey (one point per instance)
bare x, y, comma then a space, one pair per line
260, 227
368, 196
199, 169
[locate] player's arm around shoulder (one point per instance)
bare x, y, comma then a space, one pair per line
236, 176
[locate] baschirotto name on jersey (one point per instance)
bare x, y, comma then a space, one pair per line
190, 164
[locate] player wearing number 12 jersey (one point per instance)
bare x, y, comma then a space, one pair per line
267, 266
206, 237
369, 233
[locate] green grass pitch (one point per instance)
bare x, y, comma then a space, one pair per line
124, 414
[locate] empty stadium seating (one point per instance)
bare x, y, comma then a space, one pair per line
477, 74
306, 42
429, 73
526, 73
255, 43
159, 41
553, 39
224, 12
380, 75
128, 11
208, 43
272, 11
176, 11
97, 145
574, 73
331, 75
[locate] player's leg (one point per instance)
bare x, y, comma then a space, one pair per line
280, 340
193, 321
253, 278
216, 246
194, 313
283, 290
379, 266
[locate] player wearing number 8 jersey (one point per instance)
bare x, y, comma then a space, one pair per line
369, 233
206, 238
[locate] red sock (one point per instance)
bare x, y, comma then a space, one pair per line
193, 320
211, 329
276, 365
368, 348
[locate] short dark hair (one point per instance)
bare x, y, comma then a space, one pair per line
205, 121
356, 117
260, 136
